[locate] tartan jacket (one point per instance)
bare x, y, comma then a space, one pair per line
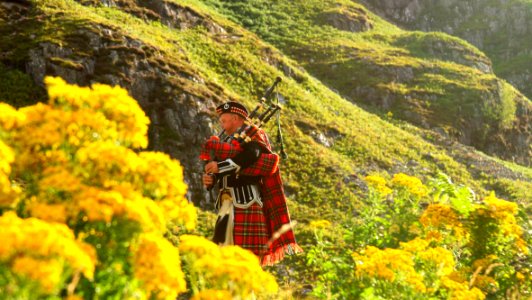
274, 208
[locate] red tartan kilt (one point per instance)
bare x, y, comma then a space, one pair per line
250, 231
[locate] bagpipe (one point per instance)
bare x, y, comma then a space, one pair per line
214, 149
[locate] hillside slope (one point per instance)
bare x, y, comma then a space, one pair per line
432, 80
181, 59
184, 63
501, 29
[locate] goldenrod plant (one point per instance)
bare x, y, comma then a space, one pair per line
85, 210
424, 241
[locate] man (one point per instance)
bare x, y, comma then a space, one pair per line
251, 202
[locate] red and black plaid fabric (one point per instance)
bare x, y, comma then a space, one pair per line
274, 207
220, 150
266, 165
250, 229
275, 210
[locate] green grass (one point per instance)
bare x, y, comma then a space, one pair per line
18, 89
444, 89
365, 138
321, 182
365, 141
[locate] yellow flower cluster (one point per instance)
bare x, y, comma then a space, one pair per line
127, 118
9, 117
486, 283
45, 271
442, 258
156, 175
72, 157
229, 268
320, 224
460, 290
399, 265
392, 265
38, 249
378, 183
103, 205
158, 267
8, 191
500, 209
212, 295
504, 212
412, 184
441, 216
75, 144
415, 245
48, 212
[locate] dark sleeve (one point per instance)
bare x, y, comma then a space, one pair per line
249, 156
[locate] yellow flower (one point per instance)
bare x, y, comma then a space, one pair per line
388, 264
46, 271
378, 183
127, 118
442, 216
498, 208
486, 283
9, 117
59, 178
520, 277
415, 245
29, 242
48, 212
442, 258
412, 184
459, 290
320, 224
196, 245
503, 213
472, 294
157, 265
212, 295
434, 236
8, 191
484, 262
229, 268
6, 158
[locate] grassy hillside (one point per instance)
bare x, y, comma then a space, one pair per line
214, 59
500, 28
432, 80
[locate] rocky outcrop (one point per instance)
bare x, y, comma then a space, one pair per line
502, 29
178, 101
168, 13
351, 19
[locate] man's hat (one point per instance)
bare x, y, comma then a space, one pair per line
234, 108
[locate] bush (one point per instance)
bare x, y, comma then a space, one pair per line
84, 210
412, 241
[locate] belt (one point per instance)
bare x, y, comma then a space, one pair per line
242, 196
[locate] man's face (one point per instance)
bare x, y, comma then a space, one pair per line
230, 122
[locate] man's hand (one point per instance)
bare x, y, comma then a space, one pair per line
208, 180
211, 167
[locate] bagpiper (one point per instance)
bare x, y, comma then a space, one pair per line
251, 204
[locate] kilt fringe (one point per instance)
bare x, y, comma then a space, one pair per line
274, 257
